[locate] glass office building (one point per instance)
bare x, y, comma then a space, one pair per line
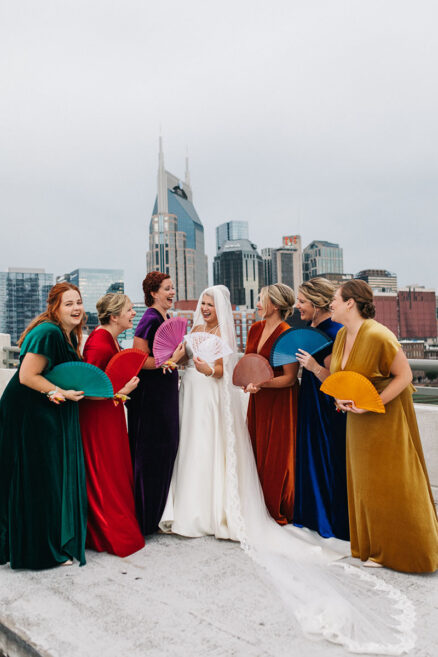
231, 230
23, 295
93, 284
320, 258
239, 266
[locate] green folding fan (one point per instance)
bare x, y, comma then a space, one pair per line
81, 376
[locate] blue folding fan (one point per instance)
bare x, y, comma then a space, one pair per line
287, 344
81, 376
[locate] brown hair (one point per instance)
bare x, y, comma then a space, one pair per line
362, 295
319, 291
152, 283
51, 314
111, 304
281, 296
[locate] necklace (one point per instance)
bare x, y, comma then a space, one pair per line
214, 328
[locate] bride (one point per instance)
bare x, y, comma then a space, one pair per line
215, 490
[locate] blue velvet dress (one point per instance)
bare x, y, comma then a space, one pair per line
320, 484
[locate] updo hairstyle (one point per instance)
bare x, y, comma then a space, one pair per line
110, 304
281, 296
362, 295
152, 283
319, 291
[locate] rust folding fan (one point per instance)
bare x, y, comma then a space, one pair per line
252, 368
354, 386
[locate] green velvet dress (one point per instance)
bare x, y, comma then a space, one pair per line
43, 499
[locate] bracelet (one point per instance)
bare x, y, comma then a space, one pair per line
212, 370
51, 393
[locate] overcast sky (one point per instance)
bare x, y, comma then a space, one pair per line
315, 117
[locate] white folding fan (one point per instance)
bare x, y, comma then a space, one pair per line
207, 346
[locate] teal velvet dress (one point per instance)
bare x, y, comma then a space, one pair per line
43, 499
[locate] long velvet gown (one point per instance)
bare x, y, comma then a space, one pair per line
43, 499
153, 423
112, 523
321, 472
272, 416
392, 514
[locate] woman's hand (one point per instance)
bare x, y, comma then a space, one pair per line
203, 367
71, 395
179, 353
307, 361
252, 388
348, 405
129, 387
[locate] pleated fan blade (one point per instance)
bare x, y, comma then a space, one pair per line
252, 368
123, 366
354, 386
81, 376
168, 336
208, 347
287, 344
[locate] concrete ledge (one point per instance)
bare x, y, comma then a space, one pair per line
14, 645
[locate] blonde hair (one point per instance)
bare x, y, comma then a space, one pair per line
111, 304
281, 296
319, 291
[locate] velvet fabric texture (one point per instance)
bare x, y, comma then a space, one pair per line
272, 414
43, 500
392, 514
112, 524
321, 473
153, 423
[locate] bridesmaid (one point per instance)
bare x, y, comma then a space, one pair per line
43, 498
393, 520
153, 412
272, 408
112, 524
321, 477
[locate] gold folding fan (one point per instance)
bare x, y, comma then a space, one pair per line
354, 386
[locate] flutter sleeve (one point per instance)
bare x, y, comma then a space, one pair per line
46, 340
389, 346
147, 327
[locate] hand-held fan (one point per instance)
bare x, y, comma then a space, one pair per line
354, 386
287, 344
123, 366
252, 368
168, 336
81, 376
207, 346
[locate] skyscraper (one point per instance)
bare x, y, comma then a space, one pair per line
380, 280
23, 295
284, 264
239, 266
231, 230
176, 235
93, 284
320, 258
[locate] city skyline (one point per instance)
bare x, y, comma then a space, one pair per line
324, 131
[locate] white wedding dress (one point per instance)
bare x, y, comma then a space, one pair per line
215, 490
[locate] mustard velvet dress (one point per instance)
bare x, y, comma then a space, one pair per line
391, 509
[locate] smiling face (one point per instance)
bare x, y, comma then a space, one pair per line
306, 307
208, 311
164, 297
340, 308
124, 320
71, 310
264, 305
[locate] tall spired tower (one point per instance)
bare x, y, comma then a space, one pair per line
176, 234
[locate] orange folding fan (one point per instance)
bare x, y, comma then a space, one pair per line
354, 386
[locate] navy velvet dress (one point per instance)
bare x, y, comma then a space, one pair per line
320, 476
153, 426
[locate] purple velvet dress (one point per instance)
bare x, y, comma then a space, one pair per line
153, 424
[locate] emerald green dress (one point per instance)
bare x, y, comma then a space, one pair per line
43, 499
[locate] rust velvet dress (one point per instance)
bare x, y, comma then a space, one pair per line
112, 524
272, 420
392, 513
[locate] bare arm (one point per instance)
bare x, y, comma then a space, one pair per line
285, 380
143, 345
401, 371
309, 363
204, 368
30, 376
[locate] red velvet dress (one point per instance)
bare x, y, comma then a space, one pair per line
272, 420
112, 523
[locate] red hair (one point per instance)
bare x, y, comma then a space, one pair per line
52, 314
152, 283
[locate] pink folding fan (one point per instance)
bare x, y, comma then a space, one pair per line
168, 336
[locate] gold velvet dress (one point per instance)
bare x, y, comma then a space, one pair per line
391, 510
